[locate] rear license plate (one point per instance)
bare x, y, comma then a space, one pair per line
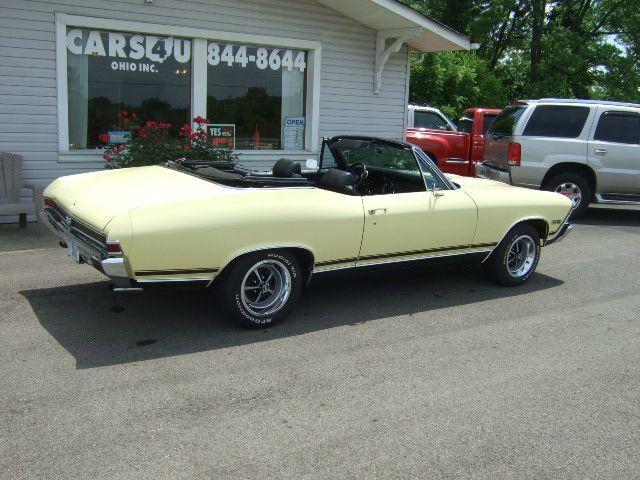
72, 251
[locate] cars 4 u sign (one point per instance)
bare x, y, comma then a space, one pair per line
223, 135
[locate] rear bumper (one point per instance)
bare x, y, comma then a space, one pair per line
89, 252
492, 173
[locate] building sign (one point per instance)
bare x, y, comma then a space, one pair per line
262, 57
294, 133
130, 52
222, 135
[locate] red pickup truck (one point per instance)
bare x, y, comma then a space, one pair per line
455, 151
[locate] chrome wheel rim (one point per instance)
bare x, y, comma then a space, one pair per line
571, 191
265, 288
521, 256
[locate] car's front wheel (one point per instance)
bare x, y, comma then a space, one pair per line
516, 258
260, 288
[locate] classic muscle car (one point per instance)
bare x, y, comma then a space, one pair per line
258, 237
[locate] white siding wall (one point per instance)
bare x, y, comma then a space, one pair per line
28, 122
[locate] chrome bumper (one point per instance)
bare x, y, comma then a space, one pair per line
559, 235
492, 173
113, 267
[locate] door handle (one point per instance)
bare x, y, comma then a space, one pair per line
601, 152
374, 210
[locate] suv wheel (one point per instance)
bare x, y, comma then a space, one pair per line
573, 186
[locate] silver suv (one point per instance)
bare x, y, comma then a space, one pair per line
587, 150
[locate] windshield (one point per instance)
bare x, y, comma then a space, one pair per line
375, 153
505, 123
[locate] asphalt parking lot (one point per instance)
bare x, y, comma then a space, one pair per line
432, 373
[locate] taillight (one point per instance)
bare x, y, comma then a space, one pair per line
49, 202
513, 156
114, 248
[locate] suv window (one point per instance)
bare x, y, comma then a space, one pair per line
619, 127
422, 119
489, 118
505, 122
565, 121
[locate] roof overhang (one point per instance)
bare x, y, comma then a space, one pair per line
390, 16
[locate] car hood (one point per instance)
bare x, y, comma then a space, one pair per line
489, 194
473, 182
97, 197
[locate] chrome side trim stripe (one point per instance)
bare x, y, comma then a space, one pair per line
144, 273
336, 262
172, 280
429, 250
408, 258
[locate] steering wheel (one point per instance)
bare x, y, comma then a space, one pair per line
362, 176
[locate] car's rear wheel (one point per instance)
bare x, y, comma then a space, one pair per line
573, 186
516, 258
259, 289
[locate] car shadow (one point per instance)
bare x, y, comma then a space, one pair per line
623, 217
99, 328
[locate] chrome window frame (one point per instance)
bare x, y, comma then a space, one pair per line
420, 155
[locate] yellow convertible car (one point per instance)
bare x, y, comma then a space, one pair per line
258, 237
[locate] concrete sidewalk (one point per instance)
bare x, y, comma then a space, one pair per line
33, 237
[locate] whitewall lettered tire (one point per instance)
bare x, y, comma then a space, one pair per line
516, 257
259, 289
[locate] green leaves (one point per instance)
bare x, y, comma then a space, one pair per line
581, 49
454, 81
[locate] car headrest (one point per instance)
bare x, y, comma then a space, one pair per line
339, 181
286, 168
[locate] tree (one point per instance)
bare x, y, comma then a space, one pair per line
532, 49
454, 81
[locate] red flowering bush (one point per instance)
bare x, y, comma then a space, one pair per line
152, 143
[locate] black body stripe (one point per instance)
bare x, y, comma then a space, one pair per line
401, 254
413, 252
479, 245
335, 262
143, 273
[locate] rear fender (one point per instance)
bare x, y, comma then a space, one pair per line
304, 254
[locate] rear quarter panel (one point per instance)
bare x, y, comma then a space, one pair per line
209, 233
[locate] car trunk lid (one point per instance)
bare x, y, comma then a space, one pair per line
97, 197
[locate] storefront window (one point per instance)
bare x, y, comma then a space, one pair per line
112, 72
259, 90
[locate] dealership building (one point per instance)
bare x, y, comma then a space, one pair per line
278, 75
